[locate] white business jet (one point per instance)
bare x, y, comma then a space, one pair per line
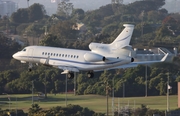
101, 57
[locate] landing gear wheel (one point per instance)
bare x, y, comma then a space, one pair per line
70, 75
90, 74
29, 69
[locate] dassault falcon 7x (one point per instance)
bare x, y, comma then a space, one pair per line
100, 57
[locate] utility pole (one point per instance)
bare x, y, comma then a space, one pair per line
123, 89
28, 3
45, 86
107, 89
142, 23
32, 92
146, 81
113, 98
168, 94
74, 83
66, 91
8, 96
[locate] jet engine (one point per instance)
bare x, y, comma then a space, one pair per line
93, 46
92, 57
97, 47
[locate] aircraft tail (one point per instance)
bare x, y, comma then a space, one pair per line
123, 38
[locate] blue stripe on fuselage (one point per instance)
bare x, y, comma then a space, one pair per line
73, 61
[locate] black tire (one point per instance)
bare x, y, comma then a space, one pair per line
90, 74
29, 69
70, 75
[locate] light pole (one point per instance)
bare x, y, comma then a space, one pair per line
142, 13
45, 86
168, 93
113, 98
146, 81
74, 83
28, 3
32, 92
8, 98
123, 89
107, 89
66, 90
16, 105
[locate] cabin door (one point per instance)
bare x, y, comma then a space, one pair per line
30, 54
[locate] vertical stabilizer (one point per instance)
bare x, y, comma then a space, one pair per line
124, 37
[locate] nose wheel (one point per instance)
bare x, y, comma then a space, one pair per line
90, 74
30, 67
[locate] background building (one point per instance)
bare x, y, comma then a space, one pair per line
7, 7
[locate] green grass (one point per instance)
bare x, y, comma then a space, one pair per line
93, 102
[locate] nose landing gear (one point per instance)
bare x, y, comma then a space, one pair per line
30, 67
90, 74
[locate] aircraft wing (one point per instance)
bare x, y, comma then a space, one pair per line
135, 64
66, 68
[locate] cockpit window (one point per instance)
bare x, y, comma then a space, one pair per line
24, 50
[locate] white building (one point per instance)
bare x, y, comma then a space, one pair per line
7, 7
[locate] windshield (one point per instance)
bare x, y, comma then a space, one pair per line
24, 49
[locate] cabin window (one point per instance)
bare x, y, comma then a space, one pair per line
77, 57
48, 54
56, 54
71, 56
51, 54
24, 50
66, 55
59, 55
74, 56
43, 53
63, 55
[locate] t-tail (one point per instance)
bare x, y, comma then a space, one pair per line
123, 38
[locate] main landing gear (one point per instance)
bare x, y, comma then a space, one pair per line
70, 75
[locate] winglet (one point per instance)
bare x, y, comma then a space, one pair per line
165, 57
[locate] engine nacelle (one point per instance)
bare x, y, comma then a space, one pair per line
92, 57
98, 47
93, 46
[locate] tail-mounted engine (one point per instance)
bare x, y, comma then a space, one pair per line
92, 57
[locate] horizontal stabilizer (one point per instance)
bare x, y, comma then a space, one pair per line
150, 62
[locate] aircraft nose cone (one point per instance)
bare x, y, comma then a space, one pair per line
14, 56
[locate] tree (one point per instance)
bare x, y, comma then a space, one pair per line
36, 12
34, 109
50, 40
155, 16
64, 9
78, 14
21, 16
169, 21
141, 111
